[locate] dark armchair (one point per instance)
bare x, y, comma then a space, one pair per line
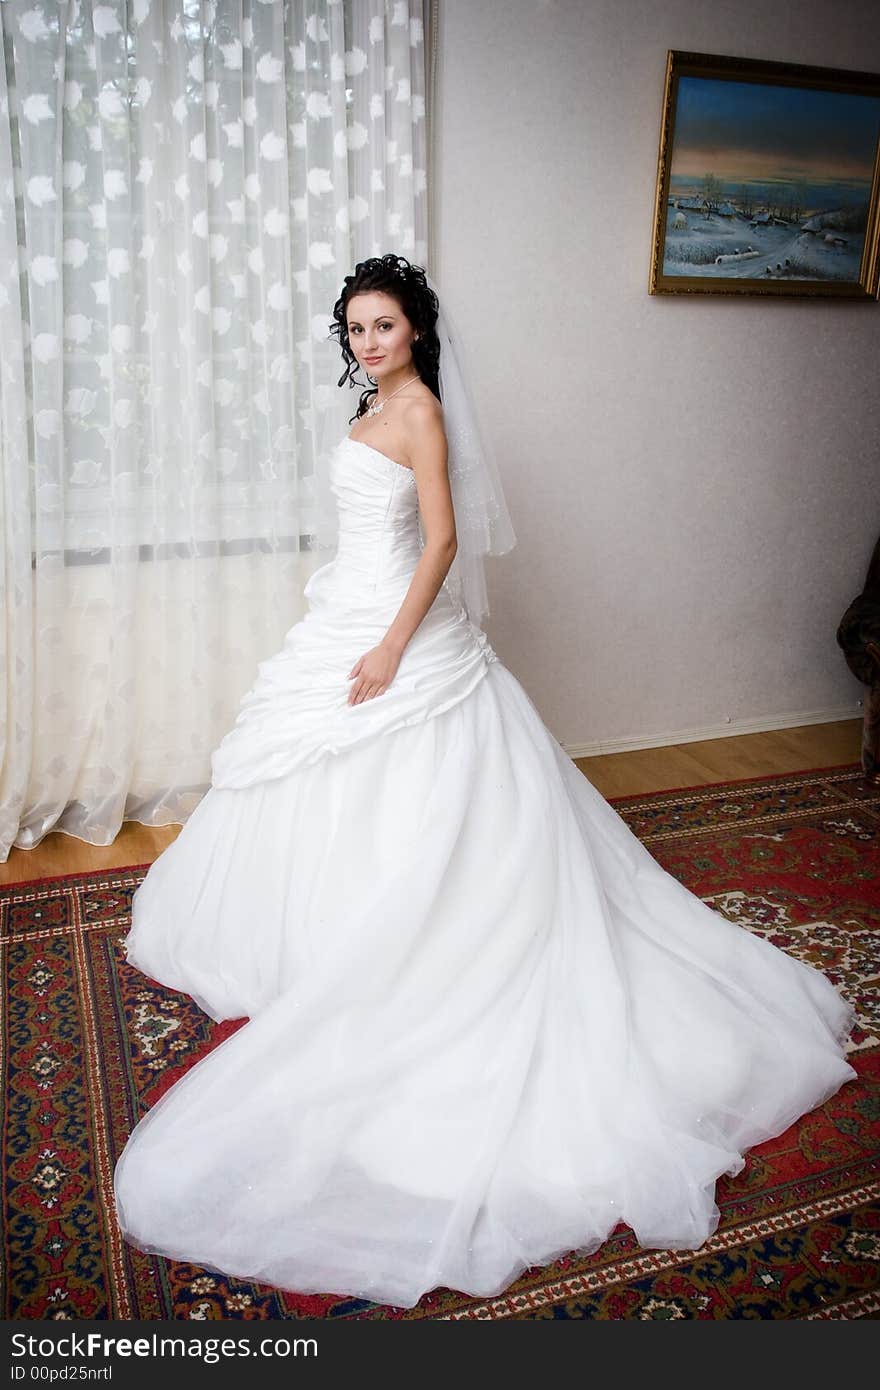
858, 634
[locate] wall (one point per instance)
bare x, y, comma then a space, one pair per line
695, 481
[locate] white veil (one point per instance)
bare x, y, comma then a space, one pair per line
482, 521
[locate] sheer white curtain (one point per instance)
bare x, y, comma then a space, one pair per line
184, 186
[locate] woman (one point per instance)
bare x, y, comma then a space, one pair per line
485, 1024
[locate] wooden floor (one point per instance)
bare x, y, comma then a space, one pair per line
614, 774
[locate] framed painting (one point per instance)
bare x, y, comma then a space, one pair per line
768, 180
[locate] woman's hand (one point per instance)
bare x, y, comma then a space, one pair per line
373, 673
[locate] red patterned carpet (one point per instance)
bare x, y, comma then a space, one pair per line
88, 1044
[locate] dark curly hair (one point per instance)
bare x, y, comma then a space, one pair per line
407, 284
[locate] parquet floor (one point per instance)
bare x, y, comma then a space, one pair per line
632, 773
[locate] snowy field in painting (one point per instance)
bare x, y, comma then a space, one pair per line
783, 252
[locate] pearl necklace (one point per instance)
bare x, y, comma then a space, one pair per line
378, 406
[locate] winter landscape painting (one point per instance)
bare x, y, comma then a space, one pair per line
767, 180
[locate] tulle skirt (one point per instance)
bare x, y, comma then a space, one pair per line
485, 1024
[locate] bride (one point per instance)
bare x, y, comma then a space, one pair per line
485, 1024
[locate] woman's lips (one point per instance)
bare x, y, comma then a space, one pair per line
372, 360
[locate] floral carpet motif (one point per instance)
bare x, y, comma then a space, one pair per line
88, 1045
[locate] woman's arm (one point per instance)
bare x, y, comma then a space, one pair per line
429, 454
423, 424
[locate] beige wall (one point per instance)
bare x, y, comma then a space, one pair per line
695, 482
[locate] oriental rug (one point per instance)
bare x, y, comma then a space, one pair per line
89, 1044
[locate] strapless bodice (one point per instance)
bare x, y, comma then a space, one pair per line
297, 710
377, 505
379, 537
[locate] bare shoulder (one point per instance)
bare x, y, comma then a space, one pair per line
422, 423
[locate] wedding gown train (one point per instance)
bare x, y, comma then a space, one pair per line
485, 1024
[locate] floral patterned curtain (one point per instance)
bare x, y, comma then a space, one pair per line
184, 185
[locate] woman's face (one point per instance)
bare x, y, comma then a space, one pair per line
379, 334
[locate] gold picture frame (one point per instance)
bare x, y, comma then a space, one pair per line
768, 180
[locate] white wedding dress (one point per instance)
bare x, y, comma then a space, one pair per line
485, 1024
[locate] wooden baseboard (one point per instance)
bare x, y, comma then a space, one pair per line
729, 728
